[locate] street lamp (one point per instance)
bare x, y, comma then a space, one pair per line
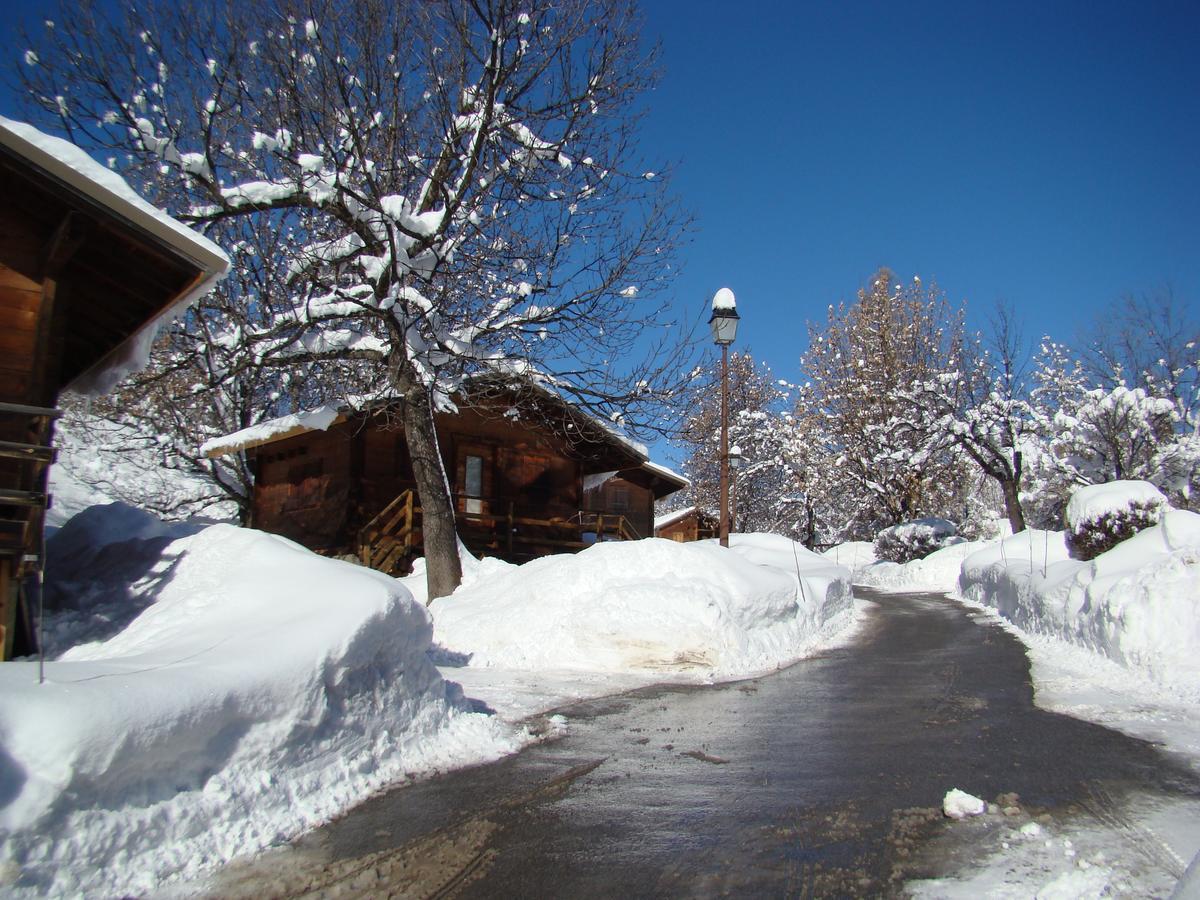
724, 324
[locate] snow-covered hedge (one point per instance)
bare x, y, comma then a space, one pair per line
1100, 516
1138, 604
262, 690
914, 540
936, 572
649, 606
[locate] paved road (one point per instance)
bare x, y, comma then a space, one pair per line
825, 779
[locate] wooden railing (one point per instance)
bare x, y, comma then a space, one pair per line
25, 458
390, 540
387, 542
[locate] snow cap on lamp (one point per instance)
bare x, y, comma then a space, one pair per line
724, 317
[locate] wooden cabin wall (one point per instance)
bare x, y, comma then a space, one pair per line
625, 498
20, 312
683, 530
520, 464
303, 489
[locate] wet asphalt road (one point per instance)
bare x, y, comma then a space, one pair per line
825, 779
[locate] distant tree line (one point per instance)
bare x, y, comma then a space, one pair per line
904, 414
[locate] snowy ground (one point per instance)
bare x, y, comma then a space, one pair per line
211, 690
1113, 641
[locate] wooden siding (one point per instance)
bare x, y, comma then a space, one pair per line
622, 497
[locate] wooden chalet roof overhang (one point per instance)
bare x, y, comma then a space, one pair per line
106, 268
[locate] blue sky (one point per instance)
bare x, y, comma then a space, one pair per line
1040, 154
1044, 155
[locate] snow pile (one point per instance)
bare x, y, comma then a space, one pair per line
262, 690
1138, 604
936, 572
649, 606
959, 804
852, 554
913, 540
1096, 502
1100, 516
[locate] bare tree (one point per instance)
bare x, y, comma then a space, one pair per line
458, 182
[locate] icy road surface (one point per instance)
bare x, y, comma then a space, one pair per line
825, 779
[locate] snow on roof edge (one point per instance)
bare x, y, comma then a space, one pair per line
65, 162
672, 517
318, 419
668, 474
73, 166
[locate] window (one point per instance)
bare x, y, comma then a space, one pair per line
619, 498
473, 478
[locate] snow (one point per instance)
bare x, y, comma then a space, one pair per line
101, 461
66, 161
1095, 501
936, 572
667, 473
724, 299
852, 554
318, 419
959, 804
648, 607
262, 690
1138, 604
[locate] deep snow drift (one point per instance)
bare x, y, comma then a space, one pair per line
1137, 604
936, 572
262, 690
650, 607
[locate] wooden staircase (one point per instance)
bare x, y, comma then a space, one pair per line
25, 458
389, 541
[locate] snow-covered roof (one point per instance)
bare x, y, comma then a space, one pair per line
672, 517
72, 168
318, 419
664, 472
321, 418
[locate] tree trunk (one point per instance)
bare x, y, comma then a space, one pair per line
1012, 504
443, 569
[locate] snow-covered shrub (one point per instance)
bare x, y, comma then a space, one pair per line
914, 540
1100, 516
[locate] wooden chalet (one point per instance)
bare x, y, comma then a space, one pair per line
688, 524
529, 473
87, 272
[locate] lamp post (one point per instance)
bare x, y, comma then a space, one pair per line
724, 324
735, 462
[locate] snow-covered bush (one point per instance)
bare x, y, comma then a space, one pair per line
914, 540
1100, 516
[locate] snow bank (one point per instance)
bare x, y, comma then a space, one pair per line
1138, 604
936, 572
649, 606
852, 554
1093, 502
263, 690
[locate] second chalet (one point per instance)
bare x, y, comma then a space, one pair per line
530, 475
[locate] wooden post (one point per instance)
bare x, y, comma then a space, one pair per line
724, 500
